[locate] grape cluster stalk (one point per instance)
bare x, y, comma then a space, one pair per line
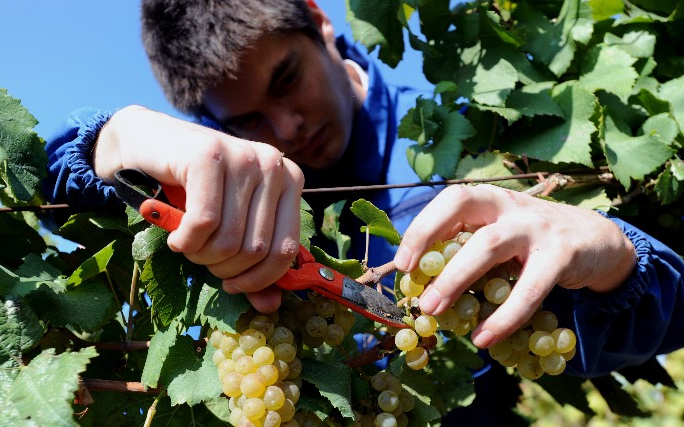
539, 347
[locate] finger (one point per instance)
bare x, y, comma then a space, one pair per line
535, 283
285, 239
443, 218
488, 247
266, 300
204, 199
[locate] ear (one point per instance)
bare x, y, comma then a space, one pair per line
323, 21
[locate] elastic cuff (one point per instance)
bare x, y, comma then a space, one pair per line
629, 293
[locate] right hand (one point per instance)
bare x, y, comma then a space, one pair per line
242, 197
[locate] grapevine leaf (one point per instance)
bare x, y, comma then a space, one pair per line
677, 166
316, 404
632, 157
308, 226
609, 68
83, 228
494, 80
588, 198
165, 280
604, 9
422, 414
18, 240
149, 241
660, 127
349, 267
673, 92
219, 407
30, 276
488, 165
93, 266
9, 369
331, 228
43, 390
21, 150
187, 377
20, 329
668, 188
531, 100
118, 409
218, 308
567, 141
160, 345
378, 223
86, 307
419, 123
375, 24
639, 44
333, 382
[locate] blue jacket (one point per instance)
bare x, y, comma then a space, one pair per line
641, 319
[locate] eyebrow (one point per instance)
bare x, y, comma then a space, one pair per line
280, 70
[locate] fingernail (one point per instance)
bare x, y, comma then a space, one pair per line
402, 259
482, 339
430, 300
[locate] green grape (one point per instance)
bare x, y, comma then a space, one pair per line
425, 325
215, 338
274, 398
262, 324
252, 385
408, 401
512, 359
291, 391
419, 278
295, 367
541, 343
448, 320
388, 400
235, 416
409, 288
496, 290
345, 319
520, 339
254, 408
283, 369
229, 343
402, 420
280, 335
268, 373
379, 381
231, 384
285, 352
544, 320
529, 366
218, 357
316, 326
417, 358
263, 356
406, 339
305, 310
467, 306
384, 419
245, 365
238, 353
226, 367
501, 350
272, 419
449, 249
287, 411
565, 339
431, 263
250, 340
553, 364
394, 384
570, 354
463, 237
462, 328
334, 335
325, 308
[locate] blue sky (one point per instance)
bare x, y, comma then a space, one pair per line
61, 55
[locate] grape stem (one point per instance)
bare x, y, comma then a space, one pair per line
378, 352
375, 274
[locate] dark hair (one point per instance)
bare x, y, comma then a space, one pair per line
194, 44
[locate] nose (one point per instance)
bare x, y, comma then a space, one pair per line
286, 123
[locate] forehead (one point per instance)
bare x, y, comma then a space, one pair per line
258, 66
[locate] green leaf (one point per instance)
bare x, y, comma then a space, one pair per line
93, 266
331, 228
20, 329
673, 92
375, 24
639, 44
605, 9
18, 240
567, 141
528, 101
677, 168
632, 157
166, 282
668, 188
43, 390
567, 389
218, 308
349, 267
147, 242
594, 198
21, 150
30, 276
609, 68
307, 224
489, 165
188, 376
333, 382
378, 223
494, 80
160, 345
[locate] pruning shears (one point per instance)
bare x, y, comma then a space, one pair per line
163, 206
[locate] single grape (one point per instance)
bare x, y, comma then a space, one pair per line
425, 325
463, 237
520, 339
406, 339
408, 401
283, 369
245, 365
215, 338
268, 373
419, 278
449, 249
228, 344
254, 408
570, 354
252, 385
250, 340
273, 398
285, 352
544, 320
218, 357
541, 343
501, 350
448, 320
295, 367
388, 400
287, 411
316, 326
529, 366
280, 335
553, 364
409, 288
345, 319
305, 310
262, 324
325, 308
271, 419
384, 419
379, 381
417, 358
496, 290
263, 356
467, 306
394, 384
565, 339
431, 263
334, 335
231, 384
291, 390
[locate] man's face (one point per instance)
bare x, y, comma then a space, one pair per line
291, 93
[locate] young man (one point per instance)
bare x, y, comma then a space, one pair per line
272, 71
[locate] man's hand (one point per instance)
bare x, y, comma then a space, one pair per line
552, 243
242, 197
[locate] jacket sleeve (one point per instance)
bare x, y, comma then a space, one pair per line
71, 178
641, 319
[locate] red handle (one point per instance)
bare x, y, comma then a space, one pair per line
161, 214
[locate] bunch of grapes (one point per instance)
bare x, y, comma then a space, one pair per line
259, 365
538, 347
387, 405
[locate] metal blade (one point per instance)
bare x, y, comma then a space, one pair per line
373, 302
